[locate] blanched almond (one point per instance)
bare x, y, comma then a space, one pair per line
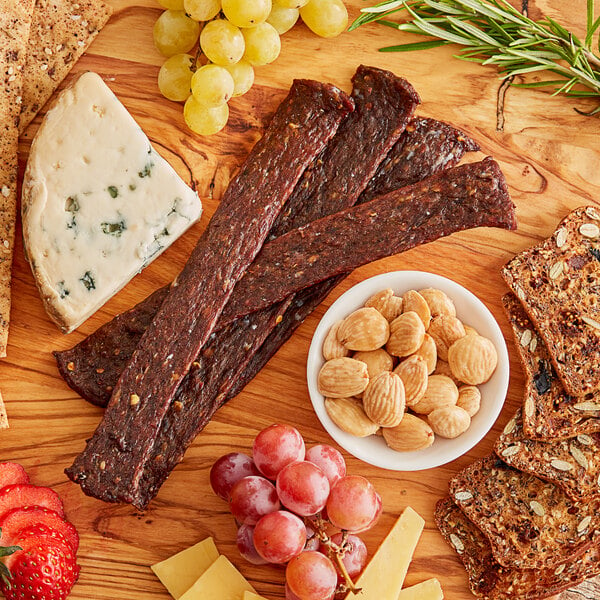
412, 300
407, 333
443, 368
439, 302
331, 347
411, 434
473, 359
445, 330
469, 398
364, 329
449, 421
387, 303
383, 399
413, 372
377, 361
342, 377
350, 417
429, 352
441, 391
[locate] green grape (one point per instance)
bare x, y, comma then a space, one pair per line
246, 13
202, 10
175, 77
204, 120
174, 33
326, 18
262, 44
172, 4
243, 77
290, 3
212, 85
222, 42
283, 19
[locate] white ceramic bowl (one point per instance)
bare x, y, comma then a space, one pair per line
471, 311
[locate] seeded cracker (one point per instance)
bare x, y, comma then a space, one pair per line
557, 282
489, 580
530, 523
548, 411
572, 464
61, 32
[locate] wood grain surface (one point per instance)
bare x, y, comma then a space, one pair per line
550, 155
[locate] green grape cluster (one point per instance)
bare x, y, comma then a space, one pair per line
234, 36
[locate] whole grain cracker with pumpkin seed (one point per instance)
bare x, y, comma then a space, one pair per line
530, 523
15, 22
61, 32
490, 580
572, 464
558, 282
548, 411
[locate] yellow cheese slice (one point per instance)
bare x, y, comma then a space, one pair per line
252, 596
221, 581
179, 572
383, 577
428, 590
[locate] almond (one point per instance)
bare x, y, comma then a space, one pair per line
342, 377
449, 421
388, 304
469, 398
331, 347
445, 330
413, 372
377, 361
429, 352
412, 300
473, 359
383, 399
407, 333
364, 329
439, 302
350, 417
411, 434
441, 391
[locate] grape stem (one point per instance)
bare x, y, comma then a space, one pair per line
336, 552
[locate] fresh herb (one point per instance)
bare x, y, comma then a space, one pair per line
115, 229
146, 171
88, 281
71, 204
495, 33
63, 292
113, 191
132, 187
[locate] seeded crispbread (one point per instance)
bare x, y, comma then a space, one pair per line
530, 523
60, 33
490, 580
557, 282
572, 464
15, 22
548, 411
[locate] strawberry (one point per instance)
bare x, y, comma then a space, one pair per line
21, 495
19, 520
41, 569
11, 473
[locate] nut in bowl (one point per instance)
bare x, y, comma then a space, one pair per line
448, 404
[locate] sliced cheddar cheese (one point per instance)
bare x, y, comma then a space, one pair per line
428, 590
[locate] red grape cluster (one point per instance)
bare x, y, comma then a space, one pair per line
298, 507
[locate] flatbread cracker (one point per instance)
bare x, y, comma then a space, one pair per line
548, 411
489, 580
572, 464
61, 32
530, 523
557, 282
15, 22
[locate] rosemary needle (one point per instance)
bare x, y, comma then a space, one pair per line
493, 32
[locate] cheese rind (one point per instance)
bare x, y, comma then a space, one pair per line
99, 203
179, 572
427, 590
221, 581
383, 577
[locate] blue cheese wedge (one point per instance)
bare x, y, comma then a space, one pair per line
99, 203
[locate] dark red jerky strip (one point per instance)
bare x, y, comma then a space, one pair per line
425, 142
463, 197
93, 366
113, 461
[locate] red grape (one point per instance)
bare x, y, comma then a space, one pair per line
289, 595
311, 576
275, 447
353, 504
303, 488
329, 460
245, 544
355, 555
279, 536
312, 543
251, 498
228, 470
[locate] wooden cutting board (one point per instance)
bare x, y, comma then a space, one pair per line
550, 155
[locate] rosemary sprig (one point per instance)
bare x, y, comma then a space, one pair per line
493, 32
